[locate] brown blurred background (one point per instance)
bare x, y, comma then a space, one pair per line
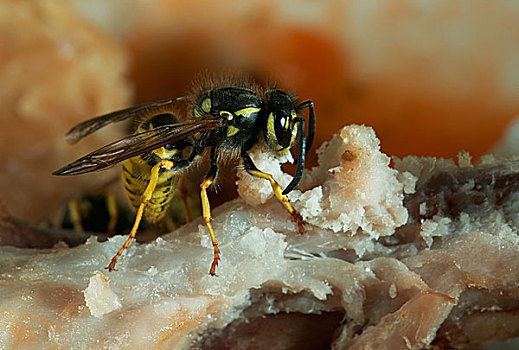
432, 78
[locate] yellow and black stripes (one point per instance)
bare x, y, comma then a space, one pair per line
145, 203
136, 177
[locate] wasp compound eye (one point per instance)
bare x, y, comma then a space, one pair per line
282, 128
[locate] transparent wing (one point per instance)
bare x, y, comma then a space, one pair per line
89, 126
137, 144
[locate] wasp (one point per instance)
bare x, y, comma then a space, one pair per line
227, 120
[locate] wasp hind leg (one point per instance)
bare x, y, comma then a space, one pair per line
75, 215
251, 168
145, 198
113, 213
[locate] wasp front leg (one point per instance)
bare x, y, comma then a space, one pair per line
206, 210
251, 168
145, 198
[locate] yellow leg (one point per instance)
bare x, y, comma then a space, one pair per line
206, 214
111, 205
75, 215
182, 189
278, 192
145, 198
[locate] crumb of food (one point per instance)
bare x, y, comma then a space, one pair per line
332, 199
99, 298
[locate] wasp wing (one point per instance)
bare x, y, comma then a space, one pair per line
89, 126
137, 144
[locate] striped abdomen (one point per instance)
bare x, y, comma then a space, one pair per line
136, 176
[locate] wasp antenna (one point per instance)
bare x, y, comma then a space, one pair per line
311, 121
301, 155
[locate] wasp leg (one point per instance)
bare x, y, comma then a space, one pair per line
146, 196
75, 215
251, 168
206, 210
182, 190
113, 212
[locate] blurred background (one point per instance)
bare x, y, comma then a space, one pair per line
432, 78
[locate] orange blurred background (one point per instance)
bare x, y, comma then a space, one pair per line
431, 78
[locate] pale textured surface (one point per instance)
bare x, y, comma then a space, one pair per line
457, 287
353, 188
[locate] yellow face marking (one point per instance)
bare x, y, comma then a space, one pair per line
293, 116
226, 115
247, 112
197, 113
206, 105
163, 153
294, 134
197, 136
270, 124
231, 130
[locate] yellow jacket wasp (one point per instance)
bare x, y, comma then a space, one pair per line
227, 119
